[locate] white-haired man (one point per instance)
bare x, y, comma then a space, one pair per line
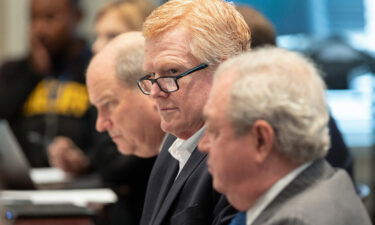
266, 138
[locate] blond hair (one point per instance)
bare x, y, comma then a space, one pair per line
132, 12
218, 31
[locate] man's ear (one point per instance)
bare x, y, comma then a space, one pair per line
264, 137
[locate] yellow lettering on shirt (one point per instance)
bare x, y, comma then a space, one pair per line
65, 98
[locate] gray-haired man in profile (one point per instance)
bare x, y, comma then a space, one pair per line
267, 136
129, 117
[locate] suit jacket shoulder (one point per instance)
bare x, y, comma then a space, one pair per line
319, 195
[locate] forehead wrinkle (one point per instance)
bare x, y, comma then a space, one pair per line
178, 53
97, 93
106, 94
171, 57
184, 37
101, 85
166, 45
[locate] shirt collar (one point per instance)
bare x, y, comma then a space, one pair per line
182, 149
271, 194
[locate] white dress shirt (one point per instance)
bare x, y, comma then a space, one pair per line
182, 149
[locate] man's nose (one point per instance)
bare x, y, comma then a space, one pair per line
157, 92
102, 124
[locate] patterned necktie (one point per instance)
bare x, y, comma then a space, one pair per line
239, 219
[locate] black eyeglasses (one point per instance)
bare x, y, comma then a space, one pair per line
166, 83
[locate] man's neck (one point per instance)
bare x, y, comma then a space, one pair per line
153, 145
184, 135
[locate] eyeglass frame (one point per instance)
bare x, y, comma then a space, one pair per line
175, 78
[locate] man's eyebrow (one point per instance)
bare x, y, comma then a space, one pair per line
105, 96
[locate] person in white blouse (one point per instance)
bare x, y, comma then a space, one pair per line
266, 137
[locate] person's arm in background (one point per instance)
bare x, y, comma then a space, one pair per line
65, 154
100, 156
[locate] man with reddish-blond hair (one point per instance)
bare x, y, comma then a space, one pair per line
185, 41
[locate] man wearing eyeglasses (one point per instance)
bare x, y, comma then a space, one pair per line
185, 41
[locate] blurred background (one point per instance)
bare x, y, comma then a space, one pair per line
339, 35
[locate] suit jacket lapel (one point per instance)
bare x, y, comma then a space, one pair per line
166, 168
318, 170
195, 159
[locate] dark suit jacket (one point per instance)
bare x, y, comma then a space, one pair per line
319, 195
188, 200
339, 155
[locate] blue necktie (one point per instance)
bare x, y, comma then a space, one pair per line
239, 219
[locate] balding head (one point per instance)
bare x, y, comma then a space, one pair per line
122, 57
129, 117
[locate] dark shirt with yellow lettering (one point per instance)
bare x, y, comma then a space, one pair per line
41, 107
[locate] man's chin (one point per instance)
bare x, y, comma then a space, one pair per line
142, 154
124, 149
218, 187
167, 126
234, 201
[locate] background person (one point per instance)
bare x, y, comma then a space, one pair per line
43, 95
118, 17
185, 42
266, 139
112, 19
263, 34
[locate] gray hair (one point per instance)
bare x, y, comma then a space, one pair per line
129, 63
286, 90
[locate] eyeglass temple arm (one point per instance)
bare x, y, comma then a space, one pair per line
200, 67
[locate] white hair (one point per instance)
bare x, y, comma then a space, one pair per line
286, 90
129, 65
129, 58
